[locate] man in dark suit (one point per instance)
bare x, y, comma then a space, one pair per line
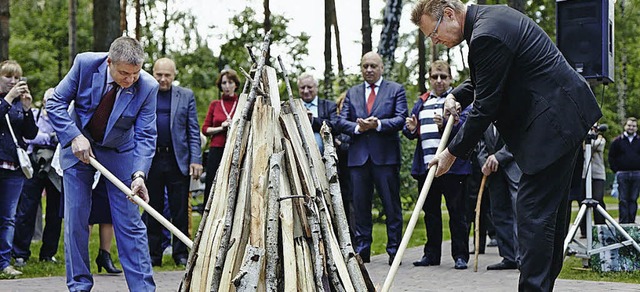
373, 112
319, 110
113, 120
504, 175
540, 105
177, 158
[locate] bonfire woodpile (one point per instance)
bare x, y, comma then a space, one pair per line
274, 220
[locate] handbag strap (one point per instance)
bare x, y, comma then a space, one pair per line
11, 130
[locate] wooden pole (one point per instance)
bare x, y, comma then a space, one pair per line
416, 211
476, 232
127, 191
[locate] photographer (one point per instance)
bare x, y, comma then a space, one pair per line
45, 177
596, 163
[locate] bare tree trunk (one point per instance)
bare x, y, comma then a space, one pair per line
517, 5
73, 33
267, 28
106, 23
165, 27
434, 52
138, 25
621, 85
123, 16
422, 62
389, 35
328, 76
336, 31
367, 45
4, 30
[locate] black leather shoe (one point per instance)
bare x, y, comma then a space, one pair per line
503, 265
365, 258
461, 264
182, 261
493, 242
156, 263
426, 261
104, 261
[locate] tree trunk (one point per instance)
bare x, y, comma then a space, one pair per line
123, 16
267, 28
106, 24
336, 31
138, 25
73, 34
367, 46
4, 30
621, 85
165, 27
389, 35
422, 62
328, 17
517, 5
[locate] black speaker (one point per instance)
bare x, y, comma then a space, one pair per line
585, 37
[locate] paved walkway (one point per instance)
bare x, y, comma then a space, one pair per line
408, 278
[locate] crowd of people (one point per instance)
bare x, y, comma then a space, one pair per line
519, 120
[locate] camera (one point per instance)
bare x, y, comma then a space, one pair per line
602, 128
23, 79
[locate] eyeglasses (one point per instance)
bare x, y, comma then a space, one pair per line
435, 30
441, 76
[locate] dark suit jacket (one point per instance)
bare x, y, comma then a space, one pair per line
494, 145
326, 113
185, 131
520, 80
390, 107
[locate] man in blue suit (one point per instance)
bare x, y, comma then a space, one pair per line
373, 113
177, 157
114, 121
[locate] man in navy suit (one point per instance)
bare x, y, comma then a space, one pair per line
541, 106
177, 157
319, 110
373, 113
113, 120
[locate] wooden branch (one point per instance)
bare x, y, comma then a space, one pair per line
273, 222
234, 173
476, 224
288, 245
249, 275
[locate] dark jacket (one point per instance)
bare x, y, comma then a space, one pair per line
23, 124
326, 113
540, 105
624, 156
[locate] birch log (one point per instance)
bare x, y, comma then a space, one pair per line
273, 224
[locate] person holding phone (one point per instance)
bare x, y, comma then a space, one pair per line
15, 101
426, 125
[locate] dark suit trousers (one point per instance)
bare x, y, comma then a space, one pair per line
541, 219
503, 197
165, 174
26, 218
386, 179
452, 187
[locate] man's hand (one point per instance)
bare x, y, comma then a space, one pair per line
195, 170
490, 166
367, 124
452, 108
81, 148
438, 120
444, 160
140, 189
26, 100
411, 123
310, 115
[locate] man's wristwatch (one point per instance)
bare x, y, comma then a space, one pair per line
137, 174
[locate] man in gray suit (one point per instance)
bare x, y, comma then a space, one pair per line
504, 175
177, 157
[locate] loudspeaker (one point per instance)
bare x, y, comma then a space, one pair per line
585, 37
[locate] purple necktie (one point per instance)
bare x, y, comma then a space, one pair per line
98, 123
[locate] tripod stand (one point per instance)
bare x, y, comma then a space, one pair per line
587, 207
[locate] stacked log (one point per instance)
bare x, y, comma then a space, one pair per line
274, 220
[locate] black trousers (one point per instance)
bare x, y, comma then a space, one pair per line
26, 218
164, 174
452, 187
541, 218
213, 162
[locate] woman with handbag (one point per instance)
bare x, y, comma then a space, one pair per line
15, 103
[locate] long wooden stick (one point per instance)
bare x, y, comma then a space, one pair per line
416, 211
127, 191
476, 233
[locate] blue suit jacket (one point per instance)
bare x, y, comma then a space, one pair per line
185, 131
390, 107
131, 129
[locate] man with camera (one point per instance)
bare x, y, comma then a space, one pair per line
624, 160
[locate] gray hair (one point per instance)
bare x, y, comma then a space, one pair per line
126, 50
307, 75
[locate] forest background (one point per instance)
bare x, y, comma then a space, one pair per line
45, 35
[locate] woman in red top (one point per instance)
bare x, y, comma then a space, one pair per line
217, 122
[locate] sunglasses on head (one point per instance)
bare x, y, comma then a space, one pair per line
442, 76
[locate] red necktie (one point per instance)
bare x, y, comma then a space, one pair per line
98, 123
372, 97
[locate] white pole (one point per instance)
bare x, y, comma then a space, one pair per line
112, 178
